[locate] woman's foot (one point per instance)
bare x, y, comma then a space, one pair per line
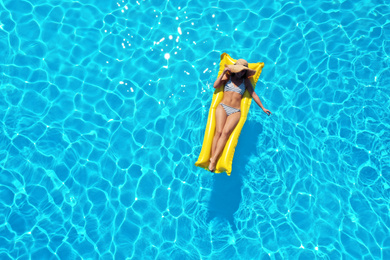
212, 165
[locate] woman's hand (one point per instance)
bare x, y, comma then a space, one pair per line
227, 69
267, 111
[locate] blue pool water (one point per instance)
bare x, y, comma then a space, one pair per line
103, 107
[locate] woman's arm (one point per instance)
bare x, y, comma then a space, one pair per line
221, 80
255, 97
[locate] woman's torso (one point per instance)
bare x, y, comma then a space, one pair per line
231, 98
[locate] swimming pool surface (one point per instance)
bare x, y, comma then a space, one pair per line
103, 107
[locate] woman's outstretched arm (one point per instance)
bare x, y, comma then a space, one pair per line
255, 97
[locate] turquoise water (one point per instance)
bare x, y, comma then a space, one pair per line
103, 107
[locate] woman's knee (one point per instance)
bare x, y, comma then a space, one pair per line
225, 133
218, 133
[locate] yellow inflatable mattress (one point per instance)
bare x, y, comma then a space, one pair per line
225, 161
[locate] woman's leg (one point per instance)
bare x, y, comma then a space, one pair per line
220, 120
230, 124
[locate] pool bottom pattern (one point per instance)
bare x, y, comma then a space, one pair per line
102, 120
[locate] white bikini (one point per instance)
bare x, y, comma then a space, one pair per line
230, 87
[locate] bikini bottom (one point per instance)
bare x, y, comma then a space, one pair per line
229, 110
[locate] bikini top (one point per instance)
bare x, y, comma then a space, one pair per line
230, 87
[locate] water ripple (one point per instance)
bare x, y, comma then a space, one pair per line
103, 108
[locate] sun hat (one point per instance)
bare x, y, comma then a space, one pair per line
240, 65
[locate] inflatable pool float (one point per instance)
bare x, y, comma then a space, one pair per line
225, 161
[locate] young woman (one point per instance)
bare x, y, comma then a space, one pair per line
228, 111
